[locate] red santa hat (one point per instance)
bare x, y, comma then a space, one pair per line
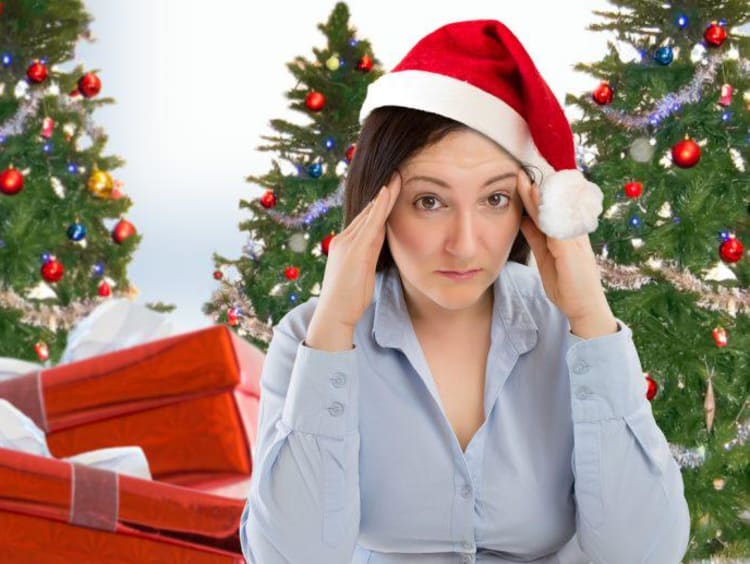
478, 73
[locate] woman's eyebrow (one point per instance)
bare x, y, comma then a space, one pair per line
443, 184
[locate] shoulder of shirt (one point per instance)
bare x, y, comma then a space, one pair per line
296, 321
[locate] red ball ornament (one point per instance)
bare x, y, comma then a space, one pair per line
349, 155
714, 35
268, 200
42, 350
365, 64
218, 275
603, 94
652, 387
731, 250
315, 101
720, 336
686, 153
232, 317
36, 72
122, 231
104, 290
291, 272
633, 189
326, 243
52, 270
11, 182
89, 85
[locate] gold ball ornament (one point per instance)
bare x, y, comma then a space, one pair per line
101, 184
333, 63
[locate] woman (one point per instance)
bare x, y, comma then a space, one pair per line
412, 415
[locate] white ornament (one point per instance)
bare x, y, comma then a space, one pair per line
41, 291
298, 242
641, 150
719, 272
637, 243
737, 160
69, 129
698, 54
665, 210
21, 89
53, 89
341, 168
615, 210
57, 187
666, 160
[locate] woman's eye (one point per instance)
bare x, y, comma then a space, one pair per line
497, 200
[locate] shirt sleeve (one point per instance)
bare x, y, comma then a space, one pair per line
629, 491
304, 502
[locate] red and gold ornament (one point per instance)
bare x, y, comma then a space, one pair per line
731, 250
52, 270
365, 63
36, 72
291, 272
652, 387
89, 85
633, 189
11, 181
720, 336
122, 231
48, 125
315, 101
349, 155
715, 35
686, 153
326, 242
603, 94
104, 289
268, 200
42, 350
725, 97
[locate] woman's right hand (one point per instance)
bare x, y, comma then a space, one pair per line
349, 279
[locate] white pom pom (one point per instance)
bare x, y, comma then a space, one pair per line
570, 205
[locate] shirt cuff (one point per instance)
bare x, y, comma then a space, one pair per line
323, 395
606, 378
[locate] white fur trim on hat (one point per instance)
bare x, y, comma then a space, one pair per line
570, 205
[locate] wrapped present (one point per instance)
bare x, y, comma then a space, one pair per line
189, 400
75, 513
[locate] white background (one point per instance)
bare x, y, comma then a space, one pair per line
196, 84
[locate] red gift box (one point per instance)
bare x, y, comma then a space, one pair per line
52, 510
190, 401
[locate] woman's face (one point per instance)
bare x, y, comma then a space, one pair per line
458, 209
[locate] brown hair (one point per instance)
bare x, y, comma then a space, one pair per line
389, 136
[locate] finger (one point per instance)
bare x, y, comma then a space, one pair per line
535, 238
527, 198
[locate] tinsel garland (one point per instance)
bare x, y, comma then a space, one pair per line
247, 323
672, 102
624, 277
29, 106
53, 317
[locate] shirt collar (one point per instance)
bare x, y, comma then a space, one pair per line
510, 316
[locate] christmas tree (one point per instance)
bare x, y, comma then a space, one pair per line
283, 261
665, 134
58, 257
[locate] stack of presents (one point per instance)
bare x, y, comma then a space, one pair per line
129, 450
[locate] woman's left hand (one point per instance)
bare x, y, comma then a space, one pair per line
568, 268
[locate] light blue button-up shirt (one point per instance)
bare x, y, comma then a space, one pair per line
356, 461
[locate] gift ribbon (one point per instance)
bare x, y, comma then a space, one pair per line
26, 393
94, 497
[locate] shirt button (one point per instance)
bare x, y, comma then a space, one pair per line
581, 367
466, 490
584, 392
336, 409
338, 380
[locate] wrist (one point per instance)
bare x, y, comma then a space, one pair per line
594, 325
